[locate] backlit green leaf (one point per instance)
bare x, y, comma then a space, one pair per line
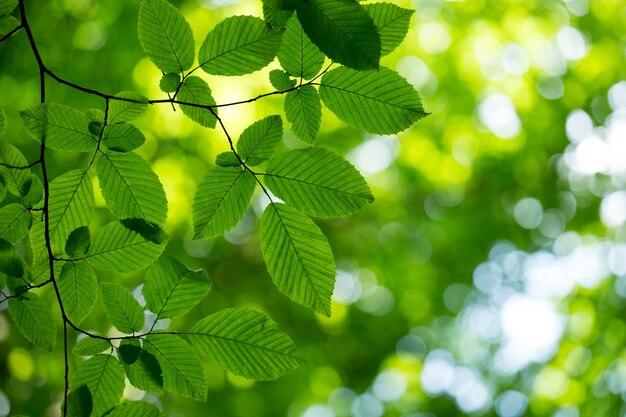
104, 378
379, 102
392, 23
303, 109
277, 12
280, 80
246, 343
165, 36
122, 137
33, 318
7, 6
182, 370
258, 141
239, 45
196, 90
130, 187
298, 257
128, 106
3, 120
227, 159
78, 242
135, 409
89, 346
336, 190
15, 221
11, 262
63, 127
172, 289
221, 200
7, 24
141, 367
78, 287
169, 82
16, 181
122, 308
297, 54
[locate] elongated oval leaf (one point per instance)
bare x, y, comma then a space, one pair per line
104, 378
7, 24
63, 127
227, 159
127, 106
17, 181
141, 367
172, 289
379, 102
258, 141
343, 30
281, 81
246, 343
34, 320
131, 188
239, 45
221, 201
277, 12
318, 182
126, 246
135, 409
79, 402
122, 137
78, 287
297, 54
122, 308
298, 257
7, 6
90, 346
303, 109
182, 370
11, 262
165, 36
196, 90
15, 221
78, 242
392, 23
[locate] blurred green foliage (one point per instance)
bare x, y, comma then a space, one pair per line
489, 277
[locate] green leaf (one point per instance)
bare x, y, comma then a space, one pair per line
165, 36
337, 190
35, 193
141, 367
15, 222
7, 24
239, 45
7, 6
130, 187
135, 409
343, 30
297, 54
122, 137
126, 246
182, 370
90, 346
16, 181
95, 128
303, 109
246, 343
258, 141
79, 402
95, 115
11, 262
221, 200
3, 191
78, 242
78, 287
104, 378
298, 257
71, 206
131, 106
3, 120
63, 127
281, 81
227, 159
169, 82
379, 102
196, 90
122, 308
34, 320
392, 23
277, 12
172, 289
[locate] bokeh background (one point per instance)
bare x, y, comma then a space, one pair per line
489, 277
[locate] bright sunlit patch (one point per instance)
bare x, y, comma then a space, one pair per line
551, 61
434, 38
578, 126
511, 404
514, 59
375, 155
498, 114
470, 391
367, 405
318, 410
613, 209
571, 43
90, 36
348, 288
528, 213
617, 96
577, 8
20, 363
341, 399
390, 385
591, 156
438, 372
5, 405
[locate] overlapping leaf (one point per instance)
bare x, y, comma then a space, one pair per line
131, 188
392, 23
227, 159
63, 127
246, 343
303, 109
141, 367
182, 370
78, 242
318, 182
165, 36
379, 102
280, 80
3, 122
126, 246
11, 262
15, 221
277, 12
34, 320
196, 90
17, 181
7, 6
122, 137
104, 378
298, 257
128, 106
172, 289
90, 346
343, 30
78, 287
135, 409
221, 200
7, 24
122, 308
258, 141
239, 45
297, 54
